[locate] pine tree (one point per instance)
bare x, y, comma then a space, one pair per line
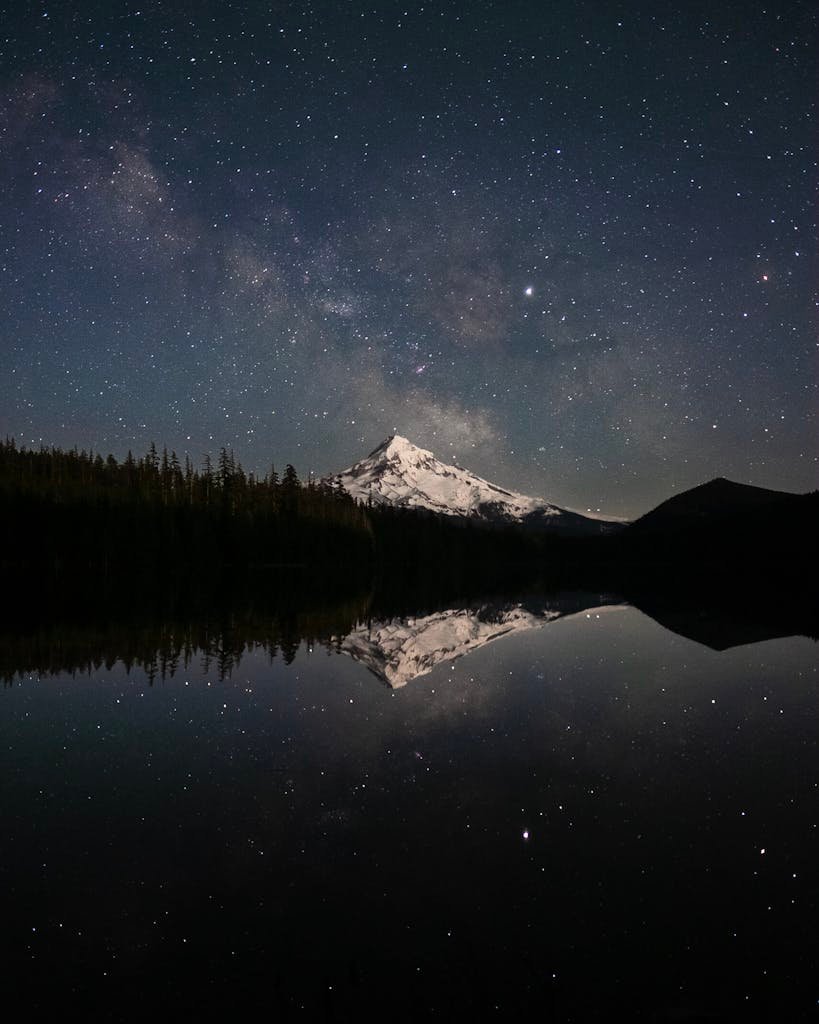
175, 474
289, 490
207, 478
226, 468
165, 476
189, 478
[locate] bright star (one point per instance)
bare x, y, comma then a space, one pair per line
529, 290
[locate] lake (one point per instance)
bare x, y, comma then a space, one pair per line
559, 807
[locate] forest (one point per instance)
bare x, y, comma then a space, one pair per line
66, 514
98, 524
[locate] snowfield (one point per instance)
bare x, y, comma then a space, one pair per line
399, 473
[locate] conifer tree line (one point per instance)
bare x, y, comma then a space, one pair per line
76, 524
71, 512
156, 511
159, 479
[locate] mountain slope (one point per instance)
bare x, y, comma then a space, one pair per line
400, 474
729, 523
715, 500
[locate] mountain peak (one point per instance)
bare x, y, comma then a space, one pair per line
400, 474
395, 444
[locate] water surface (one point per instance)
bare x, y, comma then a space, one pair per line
552, 808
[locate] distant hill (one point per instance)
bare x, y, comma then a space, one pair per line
727, 521
717, 499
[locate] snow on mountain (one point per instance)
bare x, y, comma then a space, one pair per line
399, 473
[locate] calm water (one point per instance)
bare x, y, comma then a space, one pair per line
581, 815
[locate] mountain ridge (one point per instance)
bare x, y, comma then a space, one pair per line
714, 500
400, 474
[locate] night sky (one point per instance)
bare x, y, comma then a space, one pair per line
570, 245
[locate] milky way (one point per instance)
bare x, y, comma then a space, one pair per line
569, 245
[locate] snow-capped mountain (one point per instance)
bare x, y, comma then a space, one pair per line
399, 473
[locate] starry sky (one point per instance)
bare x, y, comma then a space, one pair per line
568, 245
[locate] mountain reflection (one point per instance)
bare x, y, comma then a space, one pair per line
397, 640
402, 649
